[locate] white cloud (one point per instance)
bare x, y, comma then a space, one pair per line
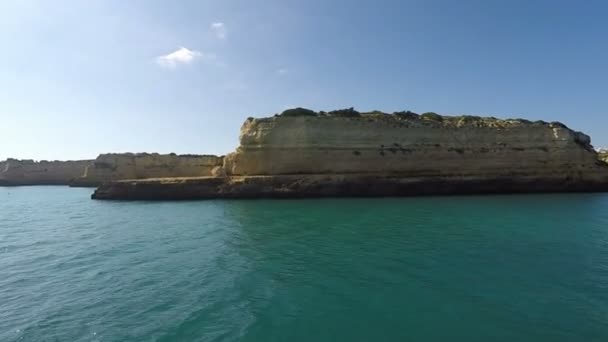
282, 71
219, 30
180, 56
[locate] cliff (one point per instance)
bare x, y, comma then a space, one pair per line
28, 172
410, 146
345, 153
116, 166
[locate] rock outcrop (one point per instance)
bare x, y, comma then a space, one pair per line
302, 154
28, 172
117, 166
603, 155
314, 186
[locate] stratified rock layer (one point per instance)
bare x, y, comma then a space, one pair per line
389, 155
28, 172
117, 166
387, 144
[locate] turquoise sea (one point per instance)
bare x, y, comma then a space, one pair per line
483, 268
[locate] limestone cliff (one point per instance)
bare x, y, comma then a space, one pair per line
115, 166
345, 153
29, 172
412, 146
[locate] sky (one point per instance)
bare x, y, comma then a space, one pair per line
79, 78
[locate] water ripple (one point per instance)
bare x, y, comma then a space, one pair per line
525, 268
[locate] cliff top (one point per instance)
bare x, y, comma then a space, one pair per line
32, 161
146, 154
428, 118
105, 155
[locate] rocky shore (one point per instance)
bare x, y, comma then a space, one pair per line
318, 186
301, 153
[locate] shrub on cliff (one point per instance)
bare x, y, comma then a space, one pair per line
299, 112
432, 116
558, 124
406, 115
375, 113
583, 140
345, 113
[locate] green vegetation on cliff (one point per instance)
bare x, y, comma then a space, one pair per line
299, 112
408, 115
428, 117
346, 113
432, 116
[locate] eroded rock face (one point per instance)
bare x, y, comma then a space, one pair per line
29, 172
116, 166
603, 155
412, 147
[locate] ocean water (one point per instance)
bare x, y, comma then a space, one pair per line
498, 268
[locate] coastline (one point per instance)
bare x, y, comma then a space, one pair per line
305, 154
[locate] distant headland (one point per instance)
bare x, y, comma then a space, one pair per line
303, 153
106, 167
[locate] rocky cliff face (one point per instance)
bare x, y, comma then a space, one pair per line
117, 166
29, 172
345, 153
412, 146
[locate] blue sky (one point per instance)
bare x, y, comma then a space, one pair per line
79, 78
